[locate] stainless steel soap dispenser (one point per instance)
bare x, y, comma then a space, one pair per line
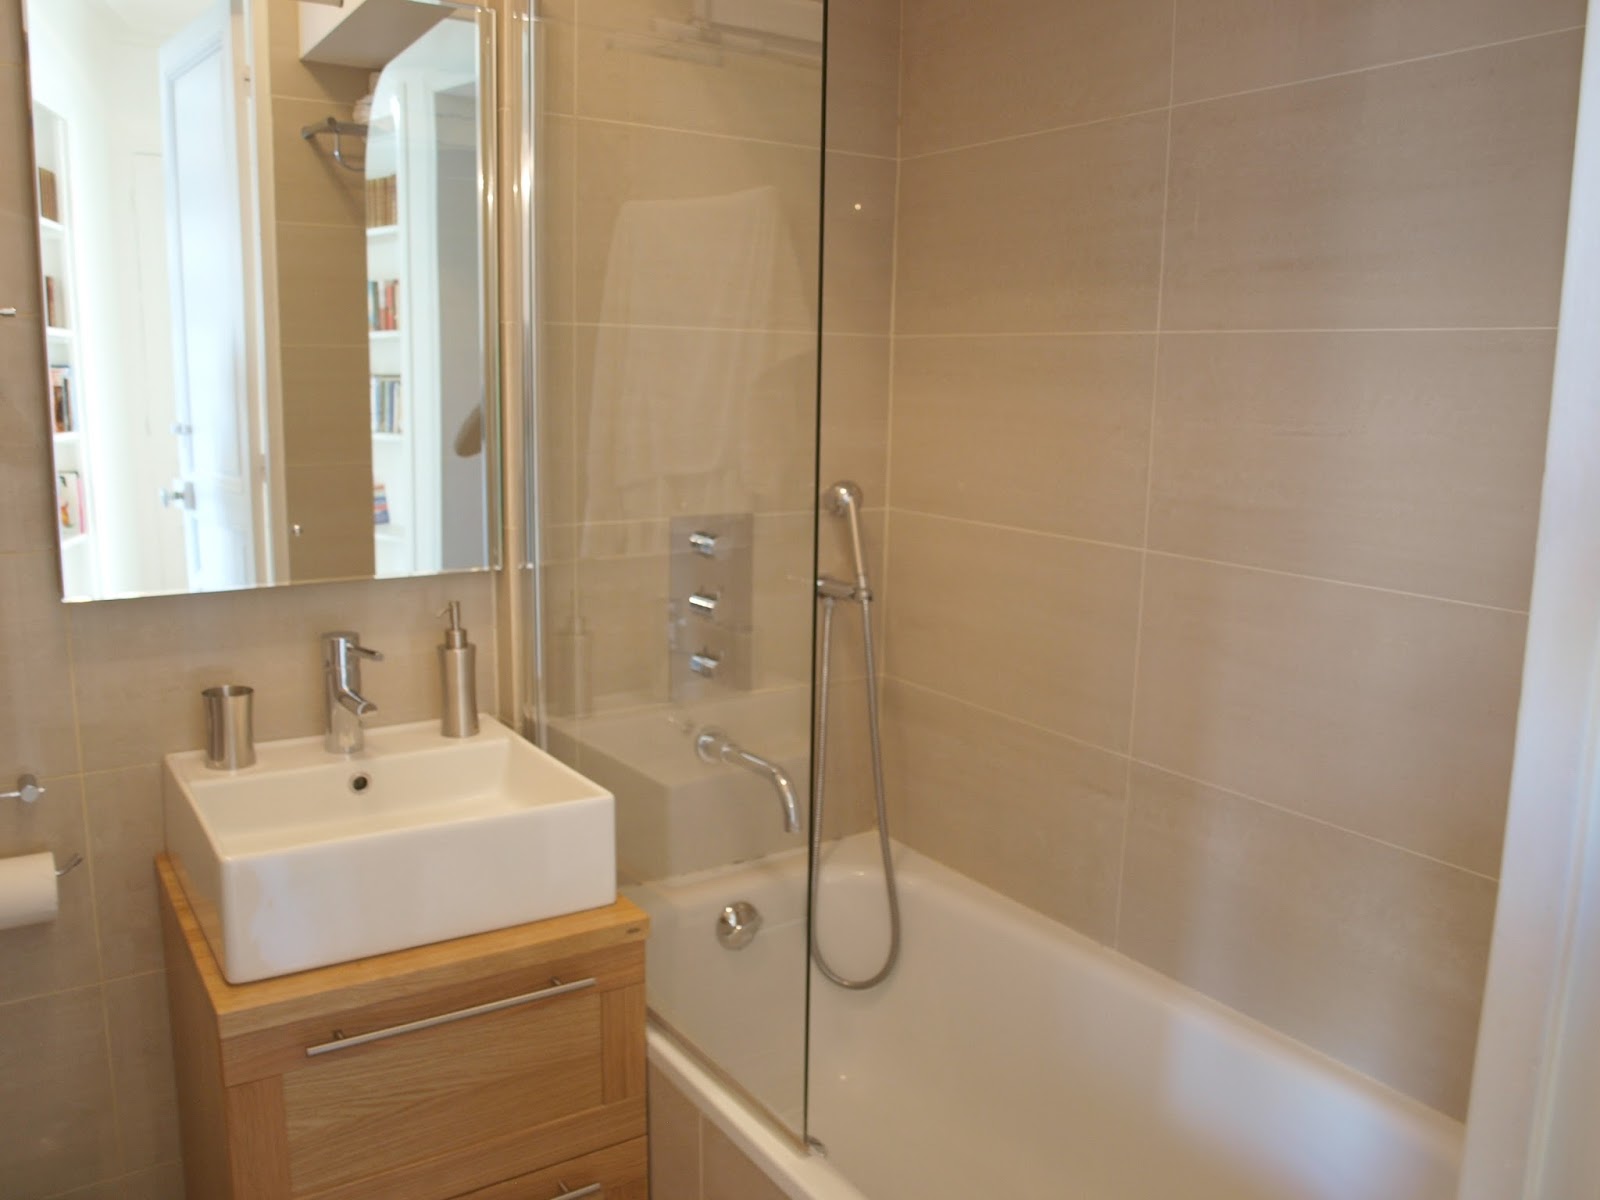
458, 671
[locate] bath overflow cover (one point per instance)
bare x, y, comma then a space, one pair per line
738, 924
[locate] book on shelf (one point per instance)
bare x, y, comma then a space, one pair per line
380, 504
63, 415
383, 305
55, 303
69, 503
49, 196
383, 202
385, 403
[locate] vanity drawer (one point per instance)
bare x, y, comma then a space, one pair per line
422, 1093
615, 1173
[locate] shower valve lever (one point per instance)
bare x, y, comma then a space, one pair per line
705, 663
704, 543
704, 603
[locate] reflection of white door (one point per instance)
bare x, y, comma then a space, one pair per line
214, 423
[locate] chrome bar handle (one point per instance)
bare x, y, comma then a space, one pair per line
28, 790
594, 1189
460, 1014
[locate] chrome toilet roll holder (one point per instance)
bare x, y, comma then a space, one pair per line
28, 791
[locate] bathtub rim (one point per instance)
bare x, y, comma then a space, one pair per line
796, 1170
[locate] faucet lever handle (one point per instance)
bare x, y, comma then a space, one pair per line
375, 655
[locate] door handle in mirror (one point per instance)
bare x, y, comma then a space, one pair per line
179, 495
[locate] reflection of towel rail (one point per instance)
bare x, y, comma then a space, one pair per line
696, 41
340, 130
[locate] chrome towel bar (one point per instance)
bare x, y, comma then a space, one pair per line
460, 1014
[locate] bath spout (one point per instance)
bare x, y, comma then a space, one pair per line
713, 746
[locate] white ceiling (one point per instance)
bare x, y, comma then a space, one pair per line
157, 18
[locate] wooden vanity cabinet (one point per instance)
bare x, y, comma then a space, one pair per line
506, 1066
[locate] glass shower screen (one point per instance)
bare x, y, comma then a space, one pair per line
678, 176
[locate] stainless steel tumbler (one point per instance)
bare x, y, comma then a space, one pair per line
230, 730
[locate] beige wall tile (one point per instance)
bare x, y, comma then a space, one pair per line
141, 1061
17, 193
1363, 951
728, 1174
555, 209
1050, 234
973, 73
142, 663
1390, 715
674, 1142
849, 803
858, 244
158, 1183
1426, 195
13, 49
27, 498
1047, 433
63, 953
1404, 460
678, 266
1039, 628
1036, 817
863, 94
624, 603
557, 470
55, 1095
854, 441
36, 718
332, 505
555, 63
782, 563
736, 93
23, 415
322, 285
1233, 45
308, 185
127, 830
326, 418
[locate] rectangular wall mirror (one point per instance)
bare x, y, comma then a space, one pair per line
268, 280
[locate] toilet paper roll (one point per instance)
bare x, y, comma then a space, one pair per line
27, 890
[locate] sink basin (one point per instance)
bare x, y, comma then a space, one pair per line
307, 858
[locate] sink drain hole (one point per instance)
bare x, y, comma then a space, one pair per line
360, 782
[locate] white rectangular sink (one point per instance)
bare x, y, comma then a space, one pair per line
309, 858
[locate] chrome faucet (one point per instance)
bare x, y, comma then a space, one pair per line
344, 705
714, 746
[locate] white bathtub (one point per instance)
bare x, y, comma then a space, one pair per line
1009, 1056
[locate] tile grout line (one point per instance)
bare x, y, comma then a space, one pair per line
1216, 562
1390, 65
1330, 330
888, 414
1149, 492
686, 131
1135, 761
1173, 102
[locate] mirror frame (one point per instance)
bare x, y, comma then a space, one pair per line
258, 219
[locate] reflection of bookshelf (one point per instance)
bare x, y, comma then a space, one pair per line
390, 366
66, 400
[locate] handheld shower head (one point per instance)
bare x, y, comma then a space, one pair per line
843, 499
